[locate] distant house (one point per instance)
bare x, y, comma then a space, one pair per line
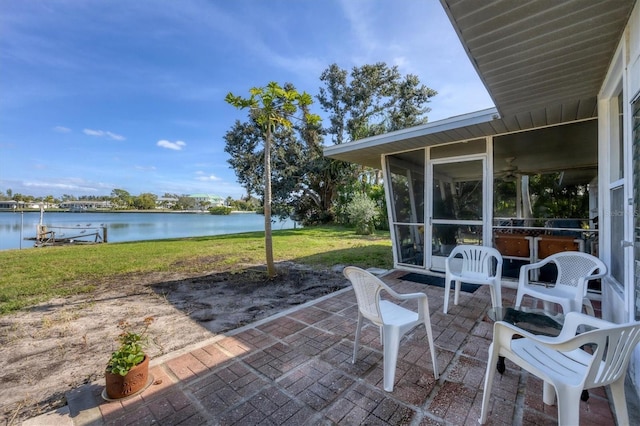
206, 201
166, 202
15, 205
37, 205
10, 205
79, 206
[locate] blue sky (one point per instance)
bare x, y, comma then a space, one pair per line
97, 95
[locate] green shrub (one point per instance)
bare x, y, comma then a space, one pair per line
220, 210
362, 213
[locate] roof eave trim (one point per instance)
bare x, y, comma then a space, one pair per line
451, 123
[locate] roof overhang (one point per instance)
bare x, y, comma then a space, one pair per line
536, 55
368, 151
480, 124
543, 63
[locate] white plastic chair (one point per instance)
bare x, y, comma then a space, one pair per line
474, 265
575, 270
567, 369
394, 321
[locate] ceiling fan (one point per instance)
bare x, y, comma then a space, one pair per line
510, 172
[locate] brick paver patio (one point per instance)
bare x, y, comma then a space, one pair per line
295, 368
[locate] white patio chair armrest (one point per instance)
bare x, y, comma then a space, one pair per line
423, 302
572, 323
523, 277
573, 320
402, 296
541, 263
409, 296
567, 340
584, 280
504, 332
536, 265
594, 277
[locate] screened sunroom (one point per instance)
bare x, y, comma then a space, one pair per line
478, 179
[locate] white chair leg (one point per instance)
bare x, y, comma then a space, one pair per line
357, 339
488, 383
390, 350
519, 297
432, 348
568, 406
446, 295
548, 394
456, 295
619, 401
497, 294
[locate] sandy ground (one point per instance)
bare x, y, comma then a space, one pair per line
57, 346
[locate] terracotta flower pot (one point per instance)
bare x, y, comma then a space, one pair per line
118, 386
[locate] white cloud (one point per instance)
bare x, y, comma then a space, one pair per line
102, 133
61, 185
115, 136
93, 132
62, 129
50, 185
203, 177
176, 146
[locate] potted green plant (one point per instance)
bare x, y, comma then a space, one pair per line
128, 369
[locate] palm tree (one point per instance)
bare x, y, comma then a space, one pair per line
272, 107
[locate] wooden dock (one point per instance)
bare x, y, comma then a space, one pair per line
68, 235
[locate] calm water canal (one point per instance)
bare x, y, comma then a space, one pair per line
15, 226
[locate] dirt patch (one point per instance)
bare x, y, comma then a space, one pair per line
56, 346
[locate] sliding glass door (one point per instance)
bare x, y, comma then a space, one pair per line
436, 205
457, 194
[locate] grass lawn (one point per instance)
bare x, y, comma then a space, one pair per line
31, 276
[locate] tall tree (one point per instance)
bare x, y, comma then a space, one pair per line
145, 201
243, 144
290, 160
375, 99
272, 107
370, 100
121, 198
185, 203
